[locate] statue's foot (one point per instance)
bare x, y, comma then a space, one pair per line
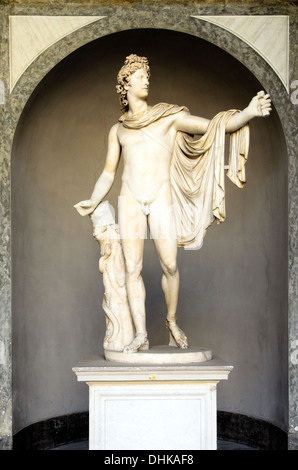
140, 343
177, 336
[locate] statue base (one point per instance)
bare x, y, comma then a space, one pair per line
161, 355
160, 407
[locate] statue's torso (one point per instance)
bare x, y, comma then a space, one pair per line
147, 154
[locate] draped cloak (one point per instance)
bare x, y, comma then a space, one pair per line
197, 171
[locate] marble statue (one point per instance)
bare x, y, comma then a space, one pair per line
171, 182
119, 325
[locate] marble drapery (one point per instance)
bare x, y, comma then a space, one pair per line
198, 169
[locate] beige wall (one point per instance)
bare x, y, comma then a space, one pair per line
233, 291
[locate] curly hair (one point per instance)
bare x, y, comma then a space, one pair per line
132, 63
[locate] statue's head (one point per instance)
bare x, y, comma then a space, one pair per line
132, 63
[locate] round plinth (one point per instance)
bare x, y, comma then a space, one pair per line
161, 355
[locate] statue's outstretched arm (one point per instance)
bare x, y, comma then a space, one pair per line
259, 106
190, 124
106, 179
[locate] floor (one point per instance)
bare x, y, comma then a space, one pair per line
221, 445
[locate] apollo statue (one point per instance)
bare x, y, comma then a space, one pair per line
172, 183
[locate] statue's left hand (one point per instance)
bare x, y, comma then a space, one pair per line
260, 105
85, 207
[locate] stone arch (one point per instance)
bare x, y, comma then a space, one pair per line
194, 25
225, 40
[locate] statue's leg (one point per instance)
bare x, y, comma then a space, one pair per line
163, 232
133, 225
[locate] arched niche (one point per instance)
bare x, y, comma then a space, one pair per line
233, 292
125, 19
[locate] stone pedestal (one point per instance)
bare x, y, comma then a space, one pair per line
152, 407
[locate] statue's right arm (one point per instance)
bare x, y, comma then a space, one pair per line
106, 179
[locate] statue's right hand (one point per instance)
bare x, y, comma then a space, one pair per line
85, 207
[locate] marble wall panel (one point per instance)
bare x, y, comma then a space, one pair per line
119, 17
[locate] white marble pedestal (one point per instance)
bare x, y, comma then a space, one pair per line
151, 407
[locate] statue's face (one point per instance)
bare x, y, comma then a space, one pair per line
138, 84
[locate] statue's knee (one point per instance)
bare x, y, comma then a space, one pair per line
133, 270
170, 268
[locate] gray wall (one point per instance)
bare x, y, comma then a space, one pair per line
233, 291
